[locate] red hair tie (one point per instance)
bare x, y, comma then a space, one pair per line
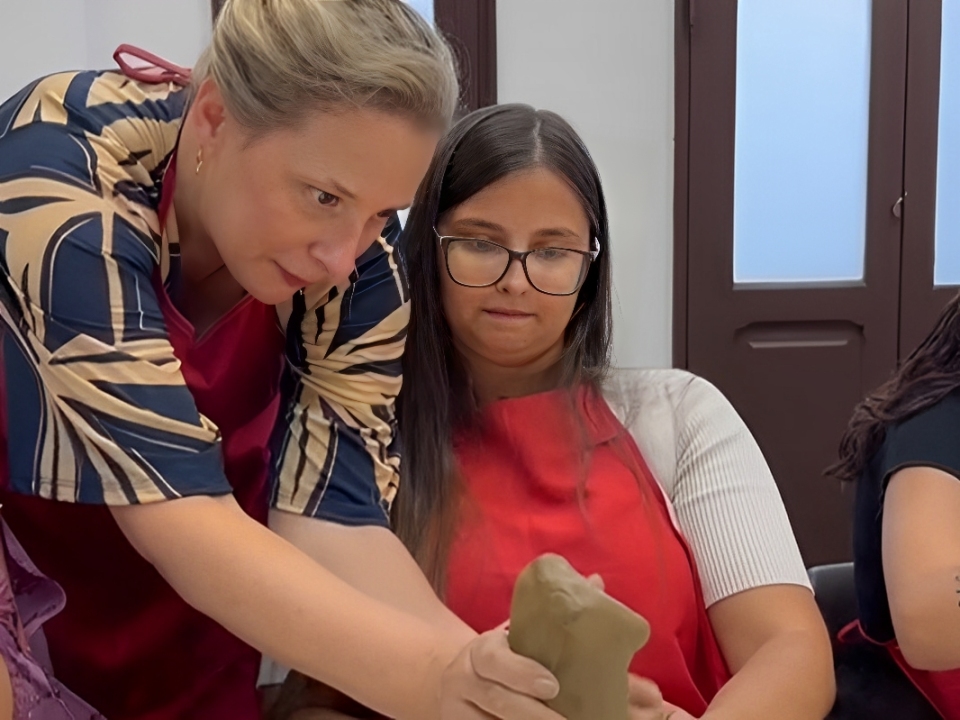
152, 68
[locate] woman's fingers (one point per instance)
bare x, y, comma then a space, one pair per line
646, 702
493, 660
488, 680
644, 693
498, 702
675, 713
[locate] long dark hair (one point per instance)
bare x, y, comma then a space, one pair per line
928, 375
436, 400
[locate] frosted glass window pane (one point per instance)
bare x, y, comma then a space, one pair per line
424, 7
803, 116
947, 265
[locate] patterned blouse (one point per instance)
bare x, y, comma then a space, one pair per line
98, 409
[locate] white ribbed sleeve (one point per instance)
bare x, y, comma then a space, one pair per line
726, 500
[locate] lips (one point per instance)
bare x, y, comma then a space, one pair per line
507, 313
294, 280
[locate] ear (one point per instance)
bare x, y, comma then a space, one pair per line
208, 114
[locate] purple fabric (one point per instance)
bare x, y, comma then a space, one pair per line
27, 600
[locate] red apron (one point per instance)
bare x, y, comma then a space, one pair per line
536, 480
942, 689
126, 642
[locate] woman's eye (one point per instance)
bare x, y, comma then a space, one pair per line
481, 246
551, 254
325, 198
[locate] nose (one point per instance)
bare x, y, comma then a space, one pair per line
515, 281
339, 254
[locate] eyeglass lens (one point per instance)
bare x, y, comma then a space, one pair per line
478, 263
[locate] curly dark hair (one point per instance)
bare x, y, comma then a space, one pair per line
928, 375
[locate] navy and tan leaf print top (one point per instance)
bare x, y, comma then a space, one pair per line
98, 410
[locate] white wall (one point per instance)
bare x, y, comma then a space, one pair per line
38, 37
607, 67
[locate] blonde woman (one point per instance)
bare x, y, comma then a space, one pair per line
190, 268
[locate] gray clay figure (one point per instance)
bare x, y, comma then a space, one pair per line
582, 635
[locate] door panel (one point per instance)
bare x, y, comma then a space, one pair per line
922, 300
794, 357
802, 104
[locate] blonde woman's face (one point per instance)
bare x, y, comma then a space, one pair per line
298, 206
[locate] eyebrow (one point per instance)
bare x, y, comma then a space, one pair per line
481, 224
554, 232
560, 232
342, 191
346, 194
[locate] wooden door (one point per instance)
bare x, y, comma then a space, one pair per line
793, 356
921, 297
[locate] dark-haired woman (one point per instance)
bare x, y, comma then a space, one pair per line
517, 442
903, 449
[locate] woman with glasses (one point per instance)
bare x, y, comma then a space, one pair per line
518, 441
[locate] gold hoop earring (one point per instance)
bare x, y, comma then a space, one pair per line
199, 160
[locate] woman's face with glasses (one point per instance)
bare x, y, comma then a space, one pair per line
512, 259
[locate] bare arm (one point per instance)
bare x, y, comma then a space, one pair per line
373, 561
775, 644
277, 599
921, 564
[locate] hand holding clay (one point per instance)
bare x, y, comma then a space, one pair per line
488, 680
585, 637
646, 703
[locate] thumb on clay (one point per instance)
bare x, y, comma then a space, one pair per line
596, 581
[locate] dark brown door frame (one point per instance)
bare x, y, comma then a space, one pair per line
685, 18
471, 28
923, 57
793, 358
920, 301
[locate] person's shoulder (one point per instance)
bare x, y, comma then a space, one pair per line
945, 410
107, 95
636, 392
84, 152
930, 437
938, 423
103, 113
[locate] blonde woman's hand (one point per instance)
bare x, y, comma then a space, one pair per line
488, 680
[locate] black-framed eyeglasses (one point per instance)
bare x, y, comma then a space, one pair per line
476, 263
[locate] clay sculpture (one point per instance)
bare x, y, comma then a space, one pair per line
582, 635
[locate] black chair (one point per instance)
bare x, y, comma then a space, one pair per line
870, 686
